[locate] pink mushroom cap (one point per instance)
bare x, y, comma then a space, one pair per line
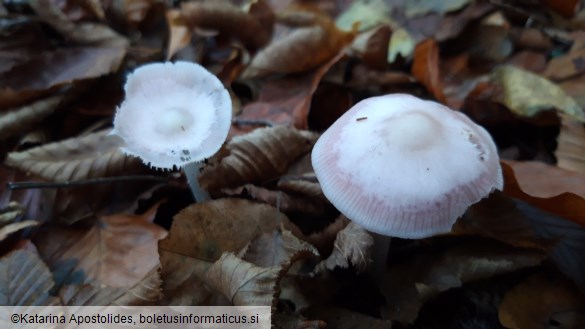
173, 114
405, 167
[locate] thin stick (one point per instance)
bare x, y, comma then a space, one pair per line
192, 172
83, 182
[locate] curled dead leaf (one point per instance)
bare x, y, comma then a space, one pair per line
352, 246
6, 230
425, 68
276, 248
289, 53
570, 152
259, 156
200, 234
254, 29
527, 94
243, 283
90, 156
549, 188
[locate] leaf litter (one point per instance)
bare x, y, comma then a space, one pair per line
83, 224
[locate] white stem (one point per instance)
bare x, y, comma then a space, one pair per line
192, 173
380, 251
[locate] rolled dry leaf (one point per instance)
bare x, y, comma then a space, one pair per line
253, 29
259, 156
243, 283
352, 247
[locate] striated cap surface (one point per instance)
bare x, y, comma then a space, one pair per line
405, 167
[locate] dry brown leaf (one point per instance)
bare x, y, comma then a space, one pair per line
540, 301
409, 284
12, 212
425, 68
22, 119
6, 230
288, 54
254, 29
305, 184
498, 218
25, 279
570, 152
60, 67
287, 101
146, 292
243, 283
276, 248
286, 202
117, 251
200, 234
567, 205
352, 246
179, 33
82, 33
90, 156
567, 8
259, 156
567, 66
549, 188
324, 240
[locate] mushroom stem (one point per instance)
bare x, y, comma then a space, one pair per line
192, 173
380, 251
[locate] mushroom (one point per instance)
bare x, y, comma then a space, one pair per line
174, 114
404, 167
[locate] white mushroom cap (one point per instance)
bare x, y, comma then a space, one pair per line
401, 166
173, 114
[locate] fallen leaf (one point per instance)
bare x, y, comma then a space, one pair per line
367, 13
61, 67
261, 155
6, 230
179, 33
425, 68
287, 101
401, 43
562, 199
409, 284
544, 181
117, 250
90, 156
200, 234
288, 54
422, 7
20, 120
352, 246
567, 66
570, 152
527, 94
26, 280
243, 283
254, 29
543, 300
276, 248
145, 292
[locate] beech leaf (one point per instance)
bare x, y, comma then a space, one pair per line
25, 279
22, 119
352, 246
117, 250
263, 154
570, 152
243, 283
527, 94
91, 156
200, 234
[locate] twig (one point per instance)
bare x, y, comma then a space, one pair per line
83, 182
